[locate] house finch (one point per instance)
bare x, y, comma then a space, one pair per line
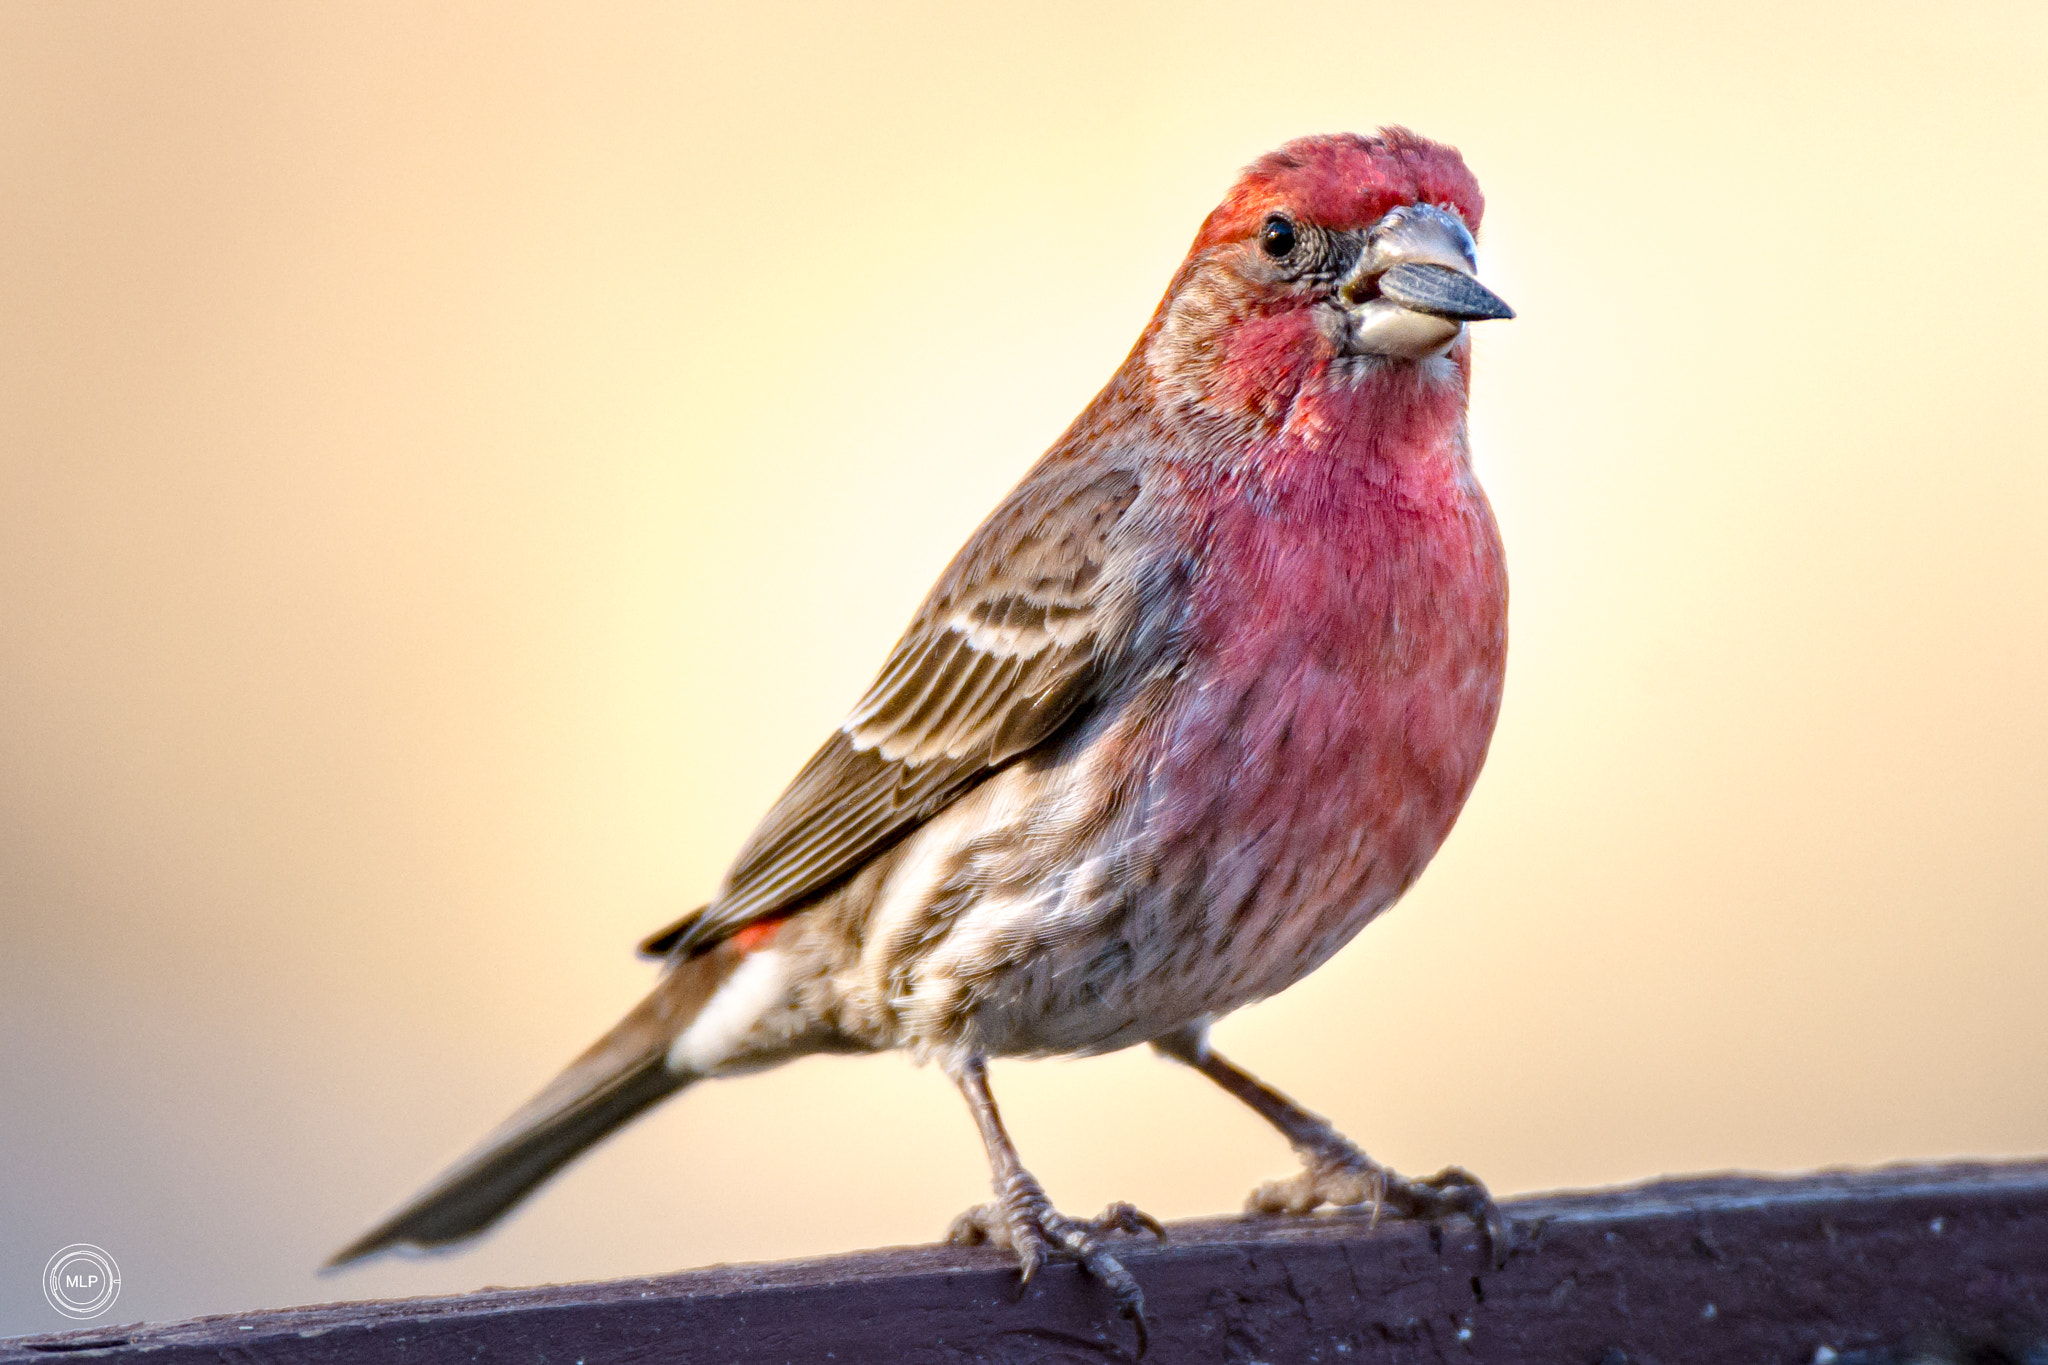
1198, 700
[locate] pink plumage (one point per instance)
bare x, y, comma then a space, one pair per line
1200, 698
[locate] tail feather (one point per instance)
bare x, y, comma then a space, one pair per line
660, 944
621, 1076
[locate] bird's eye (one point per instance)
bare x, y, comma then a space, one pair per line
1276, 238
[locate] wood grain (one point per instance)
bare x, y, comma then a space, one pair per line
1890, 1266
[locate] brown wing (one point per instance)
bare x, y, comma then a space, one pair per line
1006, 649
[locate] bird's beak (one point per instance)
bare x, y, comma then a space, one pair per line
1412, 290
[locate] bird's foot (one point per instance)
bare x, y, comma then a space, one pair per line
988, 1225
1025, 1222
1346, 1177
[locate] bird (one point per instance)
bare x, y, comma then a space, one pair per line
1200, 698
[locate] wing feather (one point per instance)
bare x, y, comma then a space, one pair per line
1008, 647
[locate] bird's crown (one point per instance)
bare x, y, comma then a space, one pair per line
1345, 181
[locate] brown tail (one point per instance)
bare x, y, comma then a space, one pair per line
623, 1074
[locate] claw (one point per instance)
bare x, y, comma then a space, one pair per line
1128, 1218
1080, 1242
1456, 1190
1133, 1312
1028, 1224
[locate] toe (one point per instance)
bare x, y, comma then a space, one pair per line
1350, 1183
1343, 1179
1456, 1192
982, 1225
1130, 1300
1462, 1192
1122, 1285
1081, 1241
1127, 1218
1295, 1195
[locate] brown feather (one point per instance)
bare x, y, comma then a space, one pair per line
1005, 651
614, 1081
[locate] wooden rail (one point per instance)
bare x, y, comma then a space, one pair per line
1891, 1267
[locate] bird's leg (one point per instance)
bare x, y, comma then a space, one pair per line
1335, 1170
1023, 1219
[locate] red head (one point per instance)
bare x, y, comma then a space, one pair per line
1339, 255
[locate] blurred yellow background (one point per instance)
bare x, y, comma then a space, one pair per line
457, 460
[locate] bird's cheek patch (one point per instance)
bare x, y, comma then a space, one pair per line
1214, 351
1264, 361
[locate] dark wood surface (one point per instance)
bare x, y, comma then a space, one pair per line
1889, 1267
